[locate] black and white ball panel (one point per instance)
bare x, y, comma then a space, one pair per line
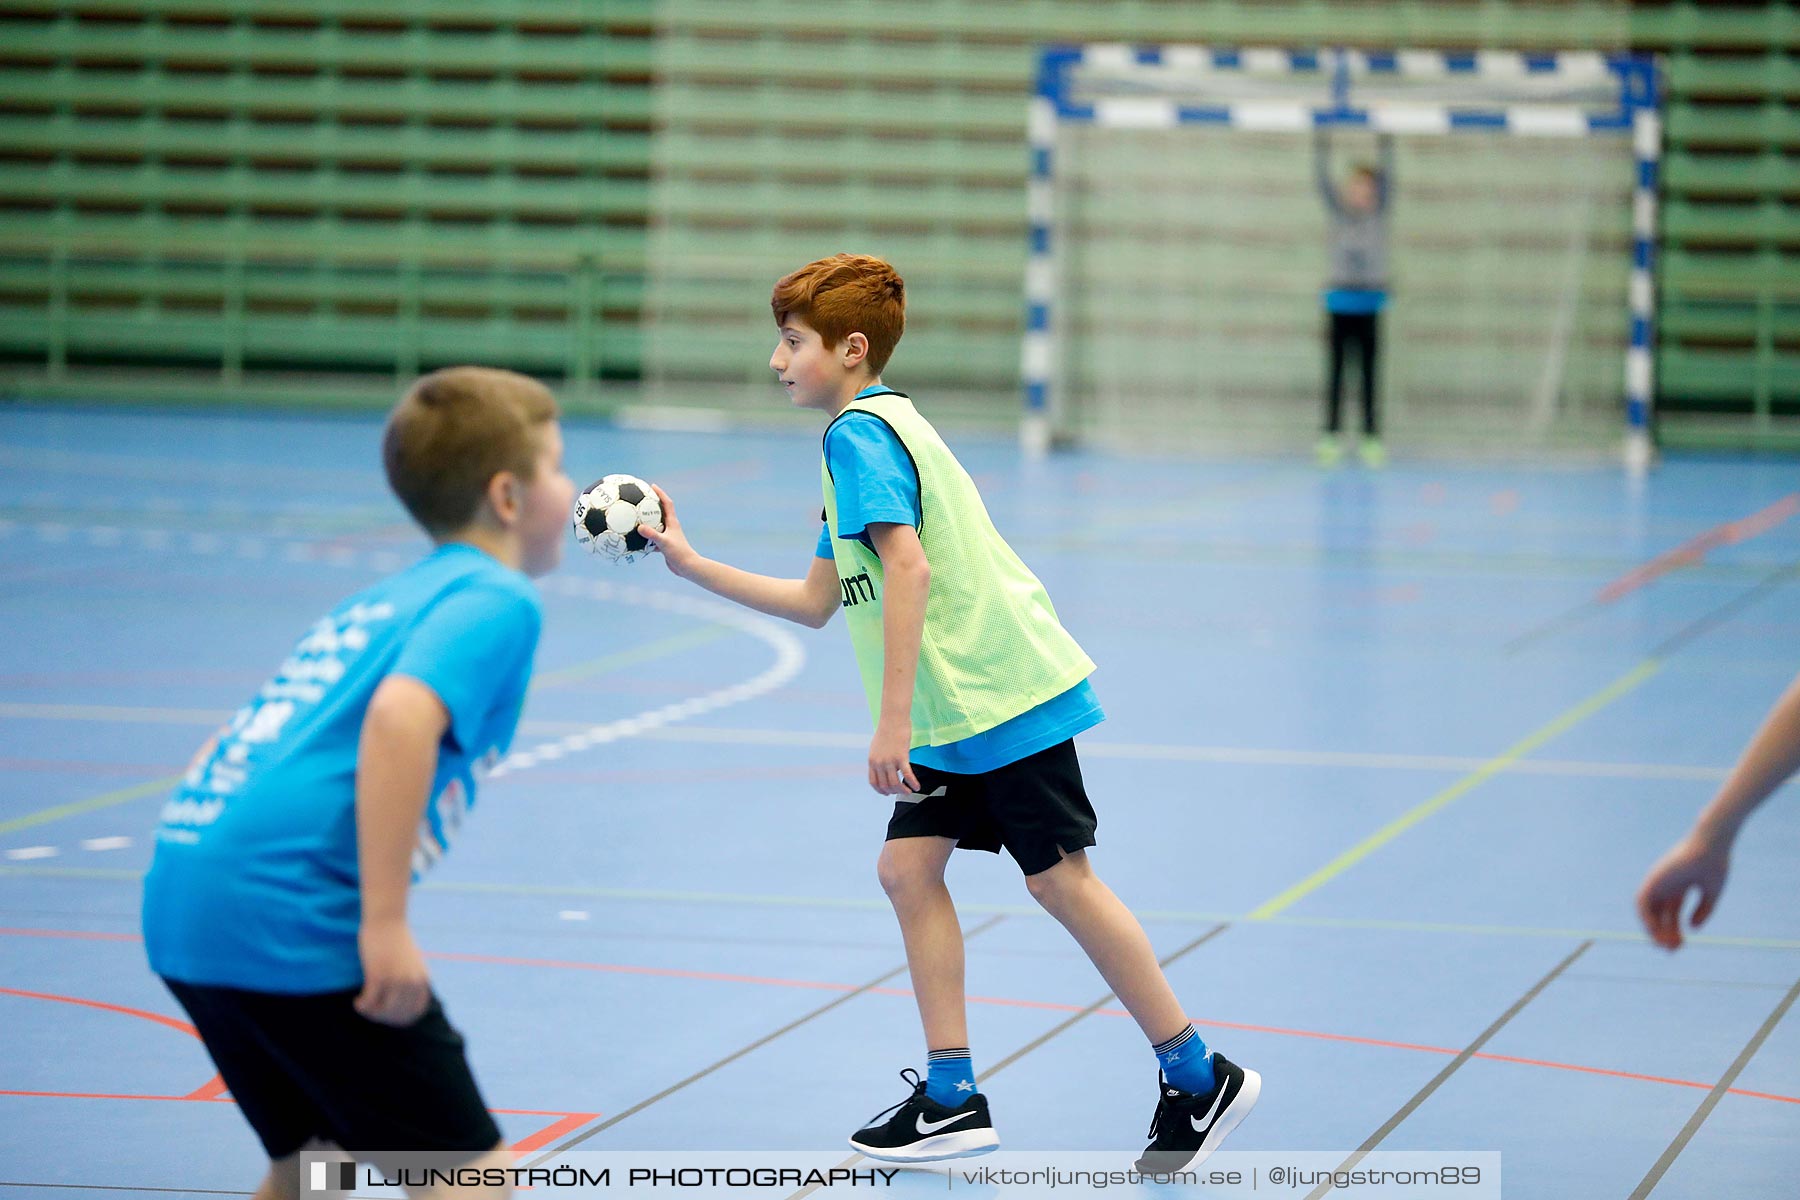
608, 513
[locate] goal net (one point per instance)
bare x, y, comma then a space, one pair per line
1179, 244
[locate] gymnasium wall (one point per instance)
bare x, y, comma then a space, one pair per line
303, 201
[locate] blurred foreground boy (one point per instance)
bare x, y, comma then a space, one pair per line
275, 907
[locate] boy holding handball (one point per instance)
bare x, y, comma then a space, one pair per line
977, 692
275, 906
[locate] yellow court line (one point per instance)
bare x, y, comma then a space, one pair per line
1468, 783
91, 804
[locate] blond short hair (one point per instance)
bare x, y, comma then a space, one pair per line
453, 431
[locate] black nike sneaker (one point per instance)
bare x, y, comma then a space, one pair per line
922, 1130
1188, 1127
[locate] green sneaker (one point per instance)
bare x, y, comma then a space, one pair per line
1328, 451
1373, 454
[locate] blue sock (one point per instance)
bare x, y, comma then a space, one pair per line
950, 1076
1186, 1062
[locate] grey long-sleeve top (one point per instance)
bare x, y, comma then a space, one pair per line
1358, 242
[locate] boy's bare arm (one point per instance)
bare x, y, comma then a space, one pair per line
1702, 858
396, 761
809, 601
1769, 761
906, 582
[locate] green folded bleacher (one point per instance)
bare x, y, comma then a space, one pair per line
274, 192
1728, 359
249, 193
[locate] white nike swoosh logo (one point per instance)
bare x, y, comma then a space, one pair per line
915, 797
1202, 1126
933, 1126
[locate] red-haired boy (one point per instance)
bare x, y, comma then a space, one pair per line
977, 693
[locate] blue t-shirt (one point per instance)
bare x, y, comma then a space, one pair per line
254, 883
876, 480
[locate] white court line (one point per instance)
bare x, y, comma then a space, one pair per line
1239, 755
734, 900
789, 656
577, 731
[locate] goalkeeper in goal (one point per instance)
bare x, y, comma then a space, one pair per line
1356, 213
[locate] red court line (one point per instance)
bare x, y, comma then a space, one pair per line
1510, 1058
525, 1145
102, 1096
209, 1090
997, 1001
550, 1133
556, 964
1696, 548
1418, 1047
214, 1088
141, 1014
1055, 1006
1687, 1083
1106, 1011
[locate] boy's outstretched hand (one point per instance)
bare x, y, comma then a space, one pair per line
1696, 861
396, 985
670, 539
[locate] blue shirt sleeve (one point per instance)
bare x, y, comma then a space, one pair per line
474, 649
873, 474
824, 548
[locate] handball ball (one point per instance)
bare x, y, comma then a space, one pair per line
608, 513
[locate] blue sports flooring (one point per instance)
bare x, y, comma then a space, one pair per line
1386, 758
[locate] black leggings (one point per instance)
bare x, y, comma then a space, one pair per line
1363, 331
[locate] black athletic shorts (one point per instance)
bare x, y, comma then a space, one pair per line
311, 1066
1035, 807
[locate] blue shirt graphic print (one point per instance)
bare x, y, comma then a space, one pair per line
254, 883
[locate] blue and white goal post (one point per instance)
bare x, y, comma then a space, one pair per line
1605, 108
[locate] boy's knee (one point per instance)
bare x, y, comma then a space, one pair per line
897, 880
1060, 886
1046, 888
904, 874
